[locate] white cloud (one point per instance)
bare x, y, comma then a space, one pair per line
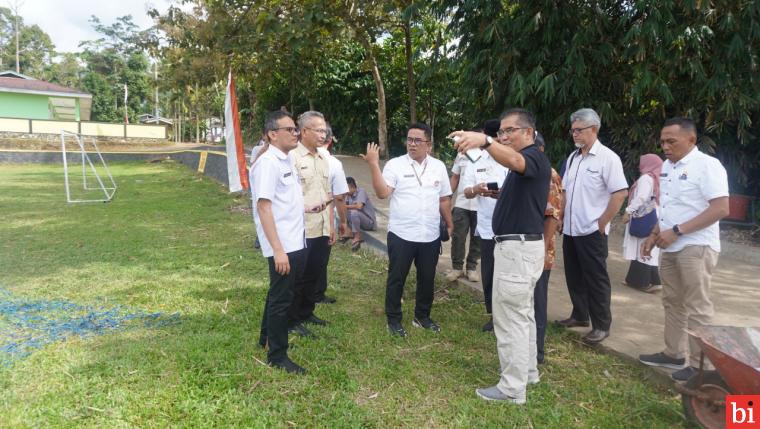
67, 21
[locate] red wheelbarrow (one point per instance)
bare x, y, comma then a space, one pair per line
735, 352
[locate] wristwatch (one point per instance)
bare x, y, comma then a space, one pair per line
677, 230
489, 142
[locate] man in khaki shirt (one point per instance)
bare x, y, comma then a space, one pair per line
314, 171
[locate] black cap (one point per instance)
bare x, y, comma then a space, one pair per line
491, 126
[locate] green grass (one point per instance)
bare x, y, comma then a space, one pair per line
175, 242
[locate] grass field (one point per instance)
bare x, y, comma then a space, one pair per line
173, 242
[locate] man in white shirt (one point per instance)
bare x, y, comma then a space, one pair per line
595, 188
475, 186
339, 188
419, 189
465, 218
693, 198
278, 210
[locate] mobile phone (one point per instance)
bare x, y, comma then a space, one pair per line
492, 186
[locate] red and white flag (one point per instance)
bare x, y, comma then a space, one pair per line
237, 173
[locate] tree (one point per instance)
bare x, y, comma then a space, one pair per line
31, 51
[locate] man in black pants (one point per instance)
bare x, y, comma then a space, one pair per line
595, 188
278, 211
419, 188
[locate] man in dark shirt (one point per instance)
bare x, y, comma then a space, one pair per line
518, 226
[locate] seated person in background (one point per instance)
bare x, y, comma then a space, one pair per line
361, 213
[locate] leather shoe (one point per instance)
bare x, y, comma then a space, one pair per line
314, 320
571, 323
596, 336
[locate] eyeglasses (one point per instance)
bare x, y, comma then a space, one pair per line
505, 131
318, 130
415, 141
574, 131
292, 130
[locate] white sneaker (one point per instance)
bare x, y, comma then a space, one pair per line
452, 275
473, 276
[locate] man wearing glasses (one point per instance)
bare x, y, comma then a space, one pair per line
314, 171
278, 211
595, 188
518, 226
419, 189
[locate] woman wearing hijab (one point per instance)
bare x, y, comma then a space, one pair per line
645, 193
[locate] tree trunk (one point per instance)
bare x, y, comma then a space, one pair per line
382, 121
410, 72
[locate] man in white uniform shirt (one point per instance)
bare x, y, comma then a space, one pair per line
278, 210
339, 188
475, 185
465, 218
693, 198
595, 188
419, 189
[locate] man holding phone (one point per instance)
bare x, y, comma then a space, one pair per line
314, 171
518, 226
481, 182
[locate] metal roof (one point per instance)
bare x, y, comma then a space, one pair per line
33, 86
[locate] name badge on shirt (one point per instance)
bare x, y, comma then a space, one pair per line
663, 174
408, 175
288, 174
482, 170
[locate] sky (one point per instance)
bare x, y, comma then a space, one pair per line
66, 21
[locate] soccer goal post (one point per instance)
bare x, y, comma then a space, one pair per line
89, 186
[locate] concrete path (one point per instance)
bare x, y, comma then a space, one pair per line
638, 317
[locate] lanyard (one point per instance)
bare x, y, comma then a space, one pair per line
419, 176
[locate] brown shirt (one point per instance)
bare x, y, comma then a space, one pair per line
314, 172
553, 209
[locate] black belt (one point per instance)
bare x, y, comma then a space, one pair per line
518, 237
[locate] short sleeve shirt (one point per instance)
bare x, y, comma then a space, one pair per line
484, 170
415, 200
461, 165
522, 202
314, 171
338, 184
686, 188
589, 182
274, 178
362, 197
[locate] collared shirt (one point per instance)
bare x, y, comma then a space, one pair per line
415, 201
273, 177
361, 197
461, 165
338, 184
686, 189
484, 170
522, 201
314, 171
589, 182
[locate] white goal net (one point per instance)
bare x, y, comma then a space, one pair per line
86, 175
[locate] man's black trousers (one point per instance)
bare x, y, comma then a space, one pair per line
401, 254
274, 324
587, 279
305, 298
486, 270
